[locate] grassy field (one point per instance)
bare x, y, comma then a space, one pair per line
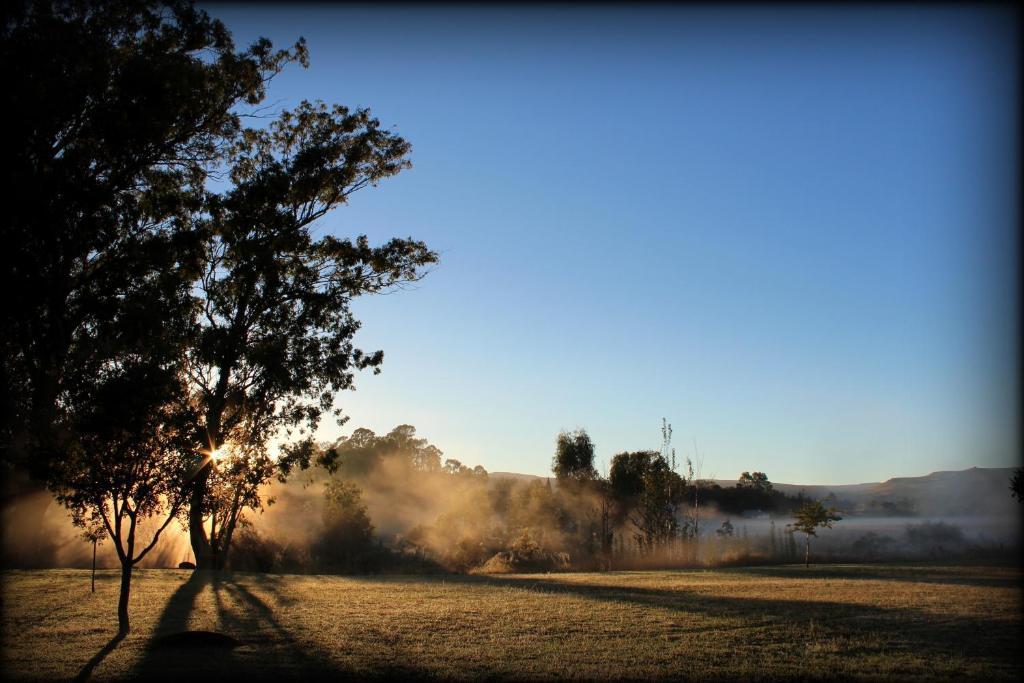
850, 621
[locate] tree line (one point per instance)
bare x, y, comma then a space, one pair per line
395, 502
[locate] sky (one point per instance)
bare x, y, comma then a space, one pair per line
790, 231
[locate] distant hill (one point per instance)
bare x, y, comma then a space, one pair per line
978, 491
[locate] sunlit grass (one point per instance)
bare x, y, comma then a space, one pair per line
859, 621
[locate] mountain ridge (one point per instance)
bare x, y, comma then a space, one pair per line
971, 491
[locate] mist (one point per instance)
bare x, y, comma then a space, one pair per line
463, 520
38, 533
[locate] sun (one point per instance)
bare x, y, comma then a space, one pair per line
218, 453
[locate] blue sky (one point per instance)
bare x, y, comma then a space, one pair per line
791, 232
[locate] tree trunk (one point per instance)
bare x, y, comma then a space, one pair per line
94, 565
122, 601
201, 546
807, 551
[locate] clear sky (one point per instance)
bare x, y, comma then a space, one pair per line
790, 231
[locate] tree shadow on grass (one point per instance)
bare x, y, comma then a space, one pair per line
269, 649
1009, 577
907, 629
91, 665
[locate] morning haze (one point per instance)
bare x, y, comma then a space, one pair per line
513, 343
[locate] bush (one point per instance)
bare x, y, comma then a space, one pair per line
523, 556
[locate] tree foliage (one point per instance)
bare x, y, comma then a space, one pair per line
272, 343
348, 531
363, 452
129, 460
758, 481
811, 516
644, 483
574, 457
626, 474
116, 112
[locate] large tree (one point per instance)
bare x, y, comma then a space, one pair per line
626, 474
646, 487
574, 457
116, 110
272, 342
758, 482
654, 516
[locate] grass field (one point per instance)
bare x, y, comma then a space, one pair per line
850, 621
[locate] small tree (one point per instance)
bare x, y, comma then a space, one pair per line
574, 457
94, 533
1017, 485
130, 462
605, 528
809, 517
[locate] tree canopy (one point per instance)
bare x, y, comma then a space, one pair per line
272, 342
811, 516
574, 457
118, 111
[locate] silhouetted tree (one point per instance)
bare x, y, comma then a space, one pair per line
453, 466
1017, 484
758, 481
654, 516
626, 474
93, 532
810, 517
418, 453
362, 452
116, 112
129, 461
606, 526
272, 344
574, 457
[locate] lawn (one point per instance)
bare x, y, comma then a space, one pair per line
841, 621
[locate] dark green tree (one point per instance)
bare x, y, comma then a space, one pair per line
758, 481
808, 518
626, 474
272, 342
348, 531
574, 457
654, 515
116, 112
